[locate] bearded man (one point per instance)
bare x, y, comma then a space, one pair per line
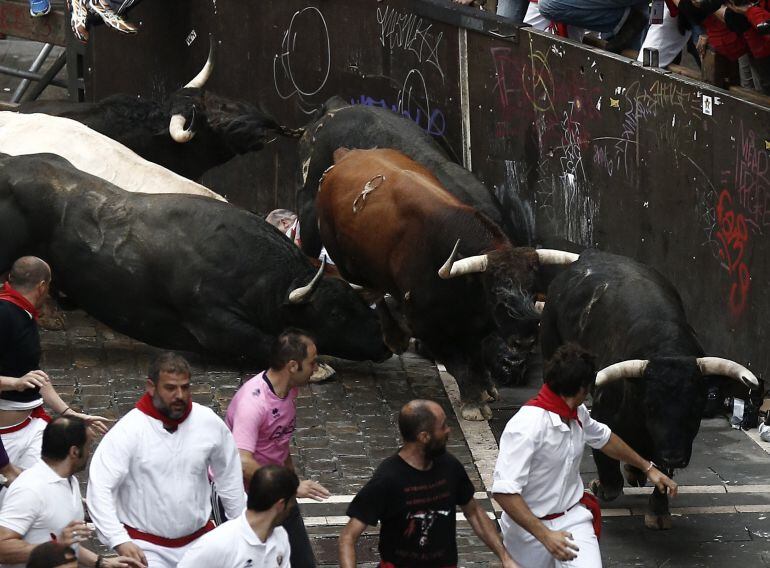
148, 488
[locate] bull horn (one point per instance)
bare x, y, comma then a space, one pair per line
453, 268
176, 124
203, 75
727, 368
539, 307
553, 256
631, 369
302, 293
355, 287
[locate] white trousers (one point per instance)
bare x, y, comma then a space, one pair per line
23, 446
530, 553
162, 556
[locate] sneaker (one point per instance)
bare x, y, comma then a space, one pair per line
38, 8
323, 373
111, 18
631, 29
78, 17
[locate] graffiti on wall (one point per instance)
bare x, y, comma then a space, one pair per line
410, 33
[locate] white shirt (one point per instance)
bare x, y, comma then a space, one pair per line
540, 458
234, 545
157, 481
40, 502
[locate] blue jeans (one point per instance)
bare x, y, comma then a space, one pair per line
513, 9
605, 16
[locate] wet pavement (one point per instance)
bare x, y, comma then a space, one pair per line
346, 427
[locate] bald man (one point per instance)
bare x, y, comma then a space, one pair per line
23, 386
414, 495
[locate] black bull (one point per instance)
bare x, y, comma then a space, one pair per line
223, 128
363, 127
622, 310
175, 271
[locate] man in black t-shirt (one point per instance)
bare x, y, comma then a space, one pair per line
414, 495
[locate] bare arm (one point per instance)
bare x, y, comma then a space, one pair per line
31, 380
249, 466
98, 424
484, 528
617, 449
13, 550
556, 542
307, 487
347, 543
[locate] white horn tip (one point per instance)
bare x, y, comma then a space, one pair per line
177, 131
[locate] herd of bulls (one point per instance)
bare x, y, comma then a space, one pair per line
104, 193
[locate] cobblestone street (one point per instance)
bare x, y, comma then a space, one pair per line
346, 427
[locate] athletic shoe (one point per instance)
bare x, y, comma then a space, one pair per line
111, 18
38, 8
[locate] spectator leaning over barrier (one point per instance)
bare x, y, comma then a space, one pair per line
23, 386
45, 501
625, 20
149, 493
262, 416
548, 519
414, 495
255, 538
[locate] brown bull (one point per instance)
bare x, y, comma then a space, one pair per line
389, 225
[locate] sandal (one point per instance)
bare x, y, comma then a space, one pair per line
111, 18
78, 16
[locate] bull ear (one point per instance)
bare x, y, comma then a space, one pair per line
727, 368
631, 369
303, 293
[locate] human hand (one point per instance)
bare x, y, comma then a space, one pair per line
662, 482
703, 42
73, 533
560, 545
96, 424
10, 472
508, 562
132, 551
121, 562
313, 490
32, 380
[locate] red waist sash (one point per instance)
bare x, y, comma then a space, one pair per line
589, 502
169, 542
37, 412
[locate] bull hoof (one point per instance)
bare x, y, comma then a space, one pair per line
634, 477
604, 493
491, 394
476, 411
658, 522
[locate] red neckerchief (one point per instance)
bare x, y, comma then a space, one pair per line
146, 406
552, 402
8, 294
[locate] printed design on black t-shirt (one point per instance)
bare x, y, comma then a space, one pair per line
425, 520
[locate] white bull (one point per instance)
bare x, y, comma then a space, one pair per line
91, 152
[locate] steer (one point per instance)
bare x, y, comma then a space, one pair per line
217, 128
390, 226
364, 127
633, 319
176, 271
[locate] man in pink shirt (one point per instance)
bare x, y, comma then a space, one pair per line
262, 417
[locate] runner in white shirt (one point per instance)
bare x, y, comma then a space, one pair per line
148, 489
254, 539
45, 500
548, 521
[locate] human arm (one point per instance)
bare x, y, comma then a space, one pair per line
97, 424
88, 559
249, 466
308, 489
347, 542
617, 449
21, 507
110, 465
226, 466
484, 528
33, 379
